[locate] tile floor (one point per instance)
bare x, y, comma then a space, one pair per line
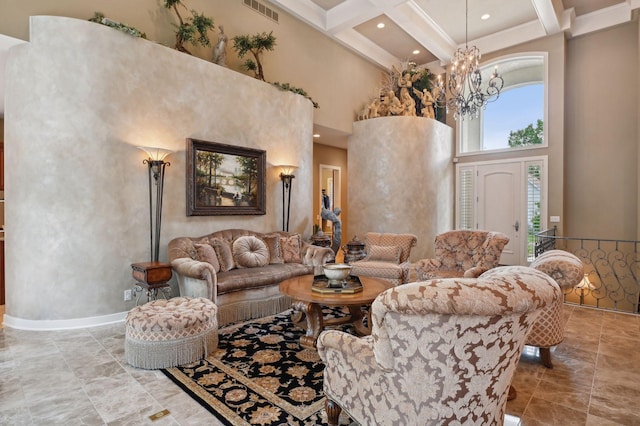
79, 377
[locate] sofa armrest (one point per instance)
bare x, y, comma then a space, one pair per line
475, 272
191, 270
349, 346
316, 256
425, 266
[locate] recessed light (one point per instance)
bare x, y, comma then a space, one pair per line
485, 17
316, 135
381, 25
416, 52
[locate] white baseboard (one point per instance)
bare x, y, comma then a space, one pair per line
68, 324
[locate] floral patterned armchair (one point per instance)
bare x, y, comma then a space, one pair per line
463, 253
567, 270
387, 257
441, 351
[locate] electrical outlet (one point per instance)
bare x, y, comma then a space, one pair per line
554, 219
127, 295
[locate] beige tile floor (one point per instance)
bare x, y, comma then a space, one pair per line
79, 377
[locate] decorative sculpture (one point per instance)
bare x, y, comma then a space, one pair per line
220, 50
427, 101
337, 226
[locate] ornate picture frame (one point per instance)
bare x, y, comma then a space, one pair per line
225, 179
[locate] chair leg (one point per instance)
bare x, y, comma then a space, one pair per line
545, 356
333, 412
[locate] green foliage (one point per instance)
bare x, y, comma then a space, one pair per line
256, 45
528, 136
194, 30
100, 19
299, 91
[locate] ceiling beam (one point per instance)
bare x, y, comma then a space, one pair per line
550, 14
412, 19
349, 14
365, 47
604, 18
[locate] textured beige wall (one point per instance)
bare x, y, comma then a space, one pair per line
80, 98
602, 134
401, 179
339, 80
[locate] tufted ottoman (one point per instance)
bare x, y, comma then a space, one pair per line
166, 333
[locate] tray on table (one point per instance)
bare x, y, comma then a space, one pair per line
351, 284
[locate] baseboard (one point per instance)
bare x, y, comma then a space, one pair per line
67, 324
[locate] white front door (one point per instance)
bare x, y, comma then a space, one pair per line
499, 205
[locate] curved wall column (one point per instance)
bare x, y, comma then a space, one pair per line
401, 179
80, 98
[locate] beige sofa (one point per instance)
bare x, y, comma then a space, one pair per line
240, 270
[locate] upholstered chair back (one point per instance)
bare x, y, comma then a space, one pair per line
404, 242
441, 352
387, 257
463, 253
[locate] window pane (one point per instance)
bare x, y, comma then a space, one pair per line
520, 108
534, 198
465, 201
514, 110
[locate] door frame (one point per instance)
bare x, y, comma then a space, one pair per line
524, 162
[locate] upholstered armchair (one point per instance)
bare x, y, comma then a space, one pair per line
387, 257
567, 270
462, 253
440, 352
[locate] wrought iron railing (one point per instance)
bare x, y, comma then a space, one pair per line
612, 270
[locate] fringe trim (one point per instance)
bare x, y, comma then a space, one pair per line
252, 309
164, 354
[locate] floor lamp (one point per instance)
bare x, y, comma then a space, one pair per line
286, 176
156, 165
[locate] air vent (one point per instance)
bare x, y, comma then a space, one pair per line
262, 9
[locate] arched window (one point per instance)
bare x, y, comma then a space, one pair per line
516, 120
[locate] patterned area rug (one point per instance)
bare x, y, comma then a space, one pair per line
259, 375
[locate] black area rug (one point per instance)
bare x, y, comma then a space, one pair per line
259, 375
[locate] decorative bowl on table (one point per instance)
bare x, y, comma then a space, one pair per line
337, 273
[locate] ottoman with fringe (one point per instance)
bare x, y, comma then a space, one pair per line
167, 333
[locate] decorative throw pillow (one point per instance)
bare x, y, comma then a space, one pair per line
224, 254
250, 252
206, 253
273, 244
290, 247
385, 253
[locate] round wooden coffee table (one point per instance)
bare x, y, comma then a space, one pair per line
309, 303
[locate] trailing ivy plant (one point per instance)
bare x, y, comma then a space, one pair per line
100, 19
287, 86
193, 29
256, 45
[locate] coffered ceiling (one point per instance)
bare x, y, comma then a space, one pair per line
435, 28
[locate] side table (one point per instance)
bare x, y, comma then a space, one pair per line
151, 276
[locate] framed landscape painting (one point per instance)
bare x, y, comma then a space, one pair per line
224, 179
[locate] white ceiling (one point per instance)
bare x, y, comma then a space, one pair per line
437, 27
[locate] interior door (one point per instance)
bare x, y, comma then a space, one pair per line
499, 201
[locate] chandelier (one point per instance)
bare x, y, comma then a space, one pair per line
465, 95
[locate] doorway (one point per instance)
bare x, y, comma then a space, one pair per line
329, 177
507, 196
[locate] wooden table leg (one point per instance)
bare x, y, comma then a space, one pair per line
315, 324
356, 319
